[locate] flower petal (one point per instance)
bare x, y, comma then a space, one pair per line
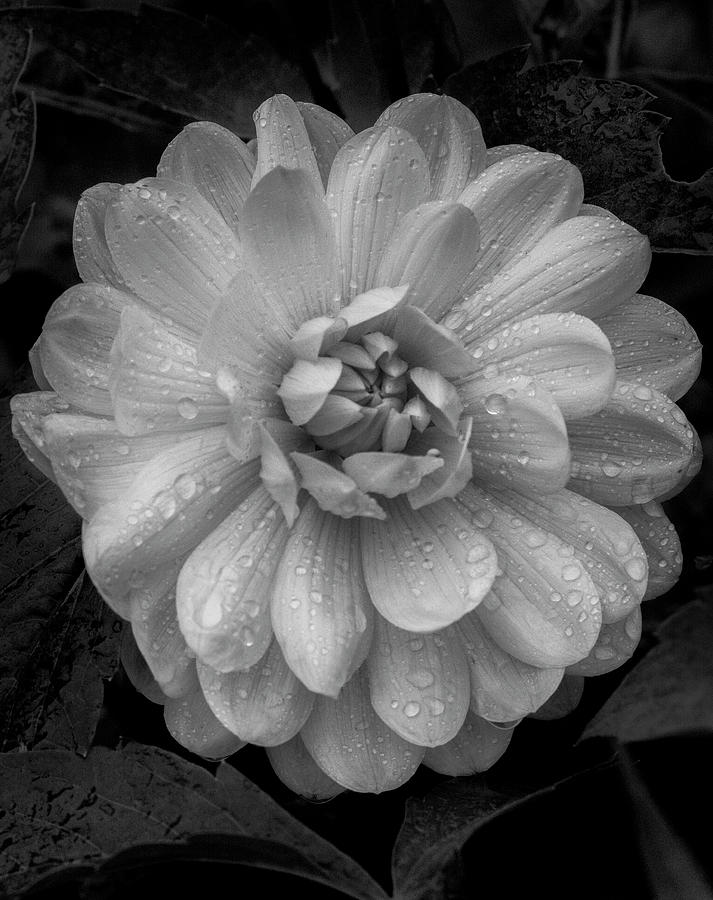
389, 474
173, 503
457, 467
172, 249
137, 670
321, 611
502, 687
377, 177
299, 772
450, 137
660, 542
422, 342
38, 374
277, 474
29, 413
637, 448
351, 744
653, 345
156, 632
441, 398
519, 435
92, 256
93, 461
615, 645
76, 341
603, 541
265, 704
517, 201
564, 700
425, 568
155, 382
287, 240
502, 151
327, 133
215, 162
334, 491
544, 608
564, 352
433, 249
476, 747
305, 387
283, 139
191, 722
223, 592
419, 684
585, 264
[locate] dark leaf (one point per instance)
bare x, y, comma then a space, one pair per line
204, 70
17, 138
604, 129
670, 691
57, 809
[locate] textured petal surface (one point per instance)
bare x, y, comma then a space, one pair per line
353, 746
517, 200
419, 683
327, 133
215, 162
422, 342
425, 568
321, 611
502, 688
564, 352
266, 704
615, 645
637, 448
661, 545
376, 178
29, 413
92, 256
223, 594
476, 747
653, 345
172, 249
191, 722
449, 134
283, 139
155, 381
295, 768
75, 344
544, 608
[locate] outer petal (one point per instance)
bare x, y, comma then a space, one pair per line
172, 504
91, 253
191, 722
157, 635
283, 140
321, 611
615, 645
519, 435
155, 382
517, 200
300, 773
543, 609
215, 162
76, 341
564, 352
432, 250
287, 239
265, 705
425, 568
637, 448
419, 684
476, 747
349, 742
223, 590
137, 670
450, 137
605, 544
29, 413
503, 688
564, 700
327, 134
172, 249
660, 542
376, 178
586, 264
93, 461
653, 345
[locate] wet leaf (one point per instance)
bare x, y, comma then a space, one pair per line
204, 70
669, 692
17, 138
57, 809
602, 127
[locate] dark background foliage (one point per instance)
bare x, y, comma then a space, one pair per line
95, 798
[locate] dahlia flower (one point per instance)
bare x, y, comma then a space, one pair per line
369, 434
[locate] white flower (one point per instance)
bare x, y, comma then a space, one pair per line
368, 435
